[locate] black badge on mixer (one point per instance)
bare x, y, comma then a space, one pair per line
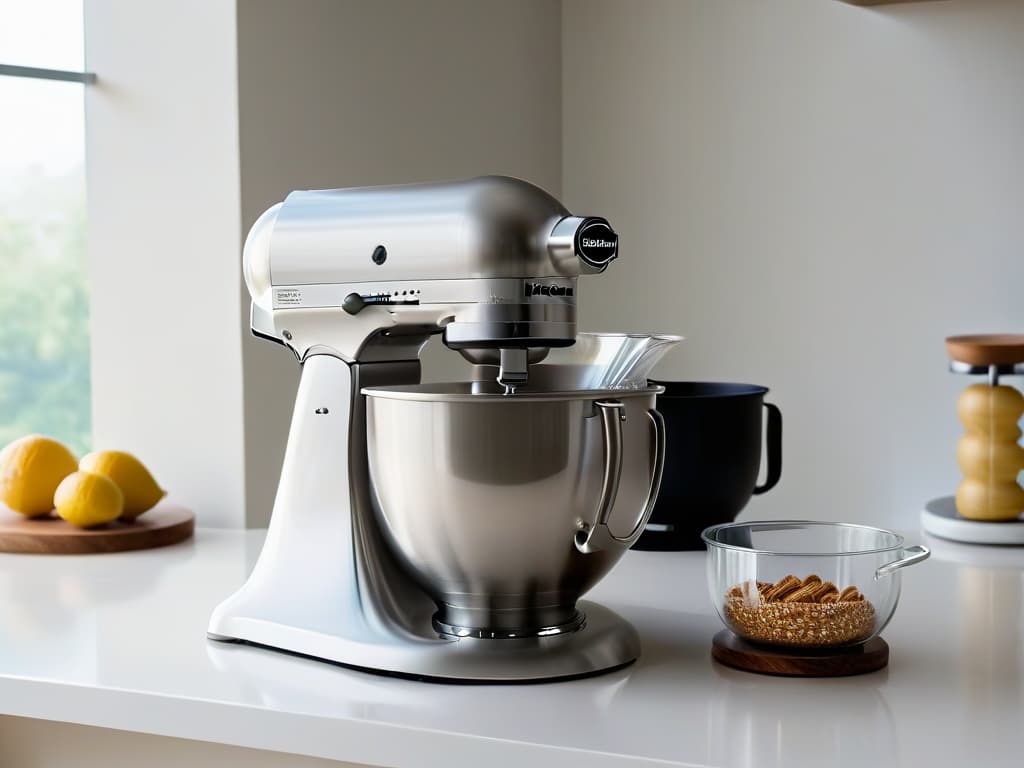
380, 255
596, 242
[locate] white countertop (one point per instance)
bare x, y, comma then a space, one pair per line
119, 641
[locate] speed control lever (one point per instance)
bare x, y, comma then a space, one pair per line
354, 303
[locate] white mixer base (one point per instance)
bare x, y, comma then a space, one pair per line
606, 642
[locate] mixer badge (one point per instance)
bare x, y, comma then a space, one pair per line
543, 289
288, 297
596, 242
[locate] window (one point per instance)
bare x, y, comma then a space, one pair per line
44, 309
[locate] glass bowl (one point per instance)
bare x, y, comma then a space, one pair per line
603, 361
806, 584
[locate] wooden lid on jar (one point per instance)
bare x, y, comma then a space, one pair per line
987, 349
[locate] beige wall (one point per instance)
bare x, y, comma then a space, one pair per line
337, 93
162, 159
815, 194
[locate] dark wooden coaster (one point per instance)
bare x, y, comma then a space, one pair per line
163, 525
728, 649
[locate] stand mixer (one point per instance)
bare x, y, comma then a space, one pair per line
355, 282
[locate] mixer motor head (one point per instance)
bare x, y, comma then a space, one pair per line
490, 262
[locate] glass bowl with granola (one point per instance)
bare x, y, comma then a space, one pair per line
806, 584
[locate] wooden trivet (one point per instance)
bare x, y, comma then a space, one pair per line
163, 525
728, 649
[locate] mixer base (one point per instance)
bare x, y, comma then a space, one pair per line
605, 642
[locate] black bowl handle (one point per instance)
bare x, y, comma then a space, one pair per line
773, 438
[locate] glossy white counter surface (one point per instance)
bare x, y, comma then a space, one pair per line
119, 641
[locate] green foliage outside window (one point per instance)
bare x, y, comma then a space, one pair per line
44, 310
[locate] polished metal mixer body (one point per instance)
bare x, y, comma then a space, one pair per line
355, 282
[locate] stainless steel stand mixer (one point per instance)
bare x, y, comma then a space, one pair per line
441, 531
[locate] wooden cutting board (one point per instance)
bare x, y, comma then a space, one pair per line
164, 524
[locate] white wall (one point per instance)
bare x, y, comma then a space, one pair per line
205, 114
162, 161
815, 194
338, 93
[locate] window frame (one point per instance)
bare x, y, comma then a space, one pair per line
41, 73
81, 77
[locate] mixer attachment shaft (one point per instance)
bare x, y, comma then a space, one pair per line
513, 370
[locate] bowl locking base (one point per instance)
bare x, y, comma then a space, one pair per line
733, 651
456, 631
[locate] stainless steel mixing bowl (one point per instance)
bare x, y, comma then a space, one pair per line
506, 509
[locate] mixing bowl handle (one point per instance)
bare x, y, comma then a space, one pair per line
911, 555
658, 449
596, 537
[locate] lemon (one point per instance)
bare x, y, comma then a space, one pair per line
30, 469
86, 499
136, 483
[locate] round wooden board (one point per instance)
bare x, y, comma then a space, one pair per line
987, 349
728, 649
163, 525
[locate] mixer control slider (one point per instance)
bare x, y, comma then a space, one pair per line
354, 302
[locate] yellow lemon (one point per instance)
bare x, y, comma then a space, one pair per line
86, 499
31, 468
138, 486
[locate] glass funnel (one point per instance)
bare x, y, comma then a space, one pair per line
603, 361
